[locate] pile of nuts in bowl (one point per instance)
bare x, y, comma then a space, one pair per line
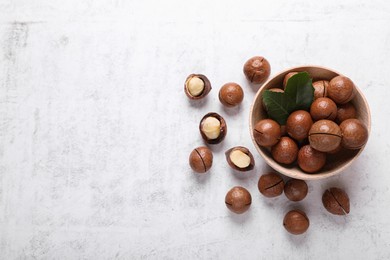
307, 135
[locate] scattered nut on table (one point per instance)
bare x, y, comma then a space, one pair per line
213, 128
238, 200
197, 86
240, 158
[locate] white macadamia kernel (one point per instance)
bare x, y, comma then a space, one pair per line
195, 86
211, 127
240, 159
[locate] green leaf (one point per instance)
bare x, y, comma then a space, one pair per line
300, 88
299, 94
278, 106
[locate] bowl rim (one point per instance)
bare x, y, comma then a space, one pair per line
302, 175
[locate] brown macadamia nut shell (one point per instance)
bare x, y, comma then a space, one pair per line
336, 201
323, 108
311, 160
341, 90
298, 124
285, 151
320, 88
344, 112
238, 200
325, 135
355, 134
231, 94
270, 185
267, 132
296, 222
201, 159
257, 69
295, 190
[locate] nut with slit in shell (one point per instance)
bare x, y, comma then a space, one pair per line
271, 185
325, 135
201, 159
336, 201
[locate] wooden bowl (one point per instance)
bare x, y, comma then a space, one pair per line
335, 163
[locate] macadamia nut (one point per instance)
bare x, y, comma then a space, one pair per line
240, 159
211, 127
195, 86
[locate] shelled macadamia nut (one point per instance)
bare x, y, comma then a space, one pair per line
257, 69
238, 200
231, 94
197, 86
213, 128
201, 159
240, 158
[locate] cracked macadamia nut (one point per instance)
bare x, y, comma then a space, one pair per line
287, 77
295, 190
197, 86
240, 158
270, 185
325, 135
341, 90
238, 200
267, 132
336, 201
311, 160
231, 94
257, 69
298, 124
296, 222
323, 108
346, 111
285, 151
213, 128
320, 88
355, 134
201, 159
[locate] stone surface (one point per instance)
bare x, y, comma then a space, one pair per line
95, 128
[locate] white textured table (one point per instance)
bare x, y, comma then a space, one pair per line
95, 129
